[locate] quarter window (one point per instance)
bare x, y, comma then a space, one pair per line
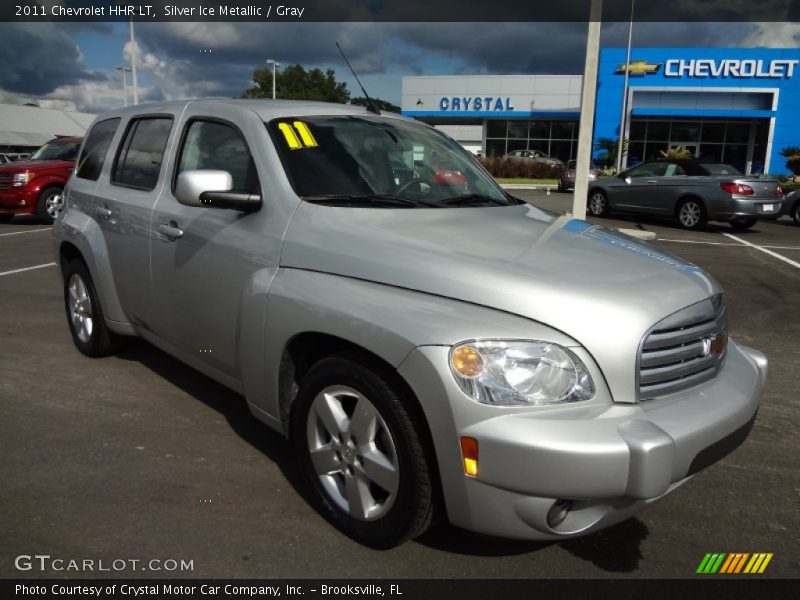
213, 145
141, 153
95, 149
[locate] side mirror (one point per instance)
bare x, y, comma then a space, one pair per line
212, 189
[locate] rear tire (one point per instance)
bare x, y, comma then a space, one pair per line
84, 313
598, 203
742, 224
370, 474
48, 204
692, 214
796, 213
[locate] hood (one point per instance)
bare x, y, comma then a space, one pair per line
601, 288
35, 165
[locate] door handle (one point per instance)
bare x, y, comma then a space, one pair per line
171, 231
103, 211
652, 181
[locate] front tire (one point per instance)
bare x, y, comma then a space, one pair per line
742, 224
361, 452
598, 203
692, 214
84, 314
48, 204
796, 213
5, 217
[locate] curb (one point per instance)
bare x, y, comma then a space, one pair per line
638, 234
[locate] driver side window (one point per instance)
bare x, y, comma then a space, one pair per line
214, 145
652, 169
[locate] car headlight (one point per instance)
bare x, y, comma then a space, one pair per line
22, 178
521, 373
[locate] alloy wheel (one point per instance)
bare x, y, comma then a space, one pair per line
689, 214
597, 204
353, 453
80, 308
52, 204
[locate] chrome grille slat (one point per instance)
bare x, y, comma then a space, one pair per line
659, 339
680, 350
672, 354
678, 370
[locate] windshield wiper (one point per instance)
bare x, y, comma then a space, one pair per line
471, 200
383, 200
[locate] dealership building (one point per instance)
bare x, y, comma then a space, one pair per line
740, 106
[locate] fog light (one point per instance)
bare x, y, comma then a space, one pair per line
558, 512
469, 450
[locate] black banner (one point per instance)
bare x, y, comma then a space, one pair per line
730, 587
395, 10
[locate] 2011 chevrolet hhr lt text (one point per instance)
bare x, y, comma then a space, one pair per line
429, 344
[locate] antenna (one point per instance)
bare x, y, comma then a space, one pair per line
370, 104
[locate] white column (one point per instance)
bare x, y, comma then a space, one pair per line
588, 94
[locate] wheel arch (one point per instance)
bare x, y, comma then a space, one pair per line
688, 196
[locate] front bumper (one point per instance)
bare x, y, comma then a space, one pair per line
609, 459
17, 201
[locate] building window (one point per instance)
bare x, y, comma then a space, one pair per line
557, 138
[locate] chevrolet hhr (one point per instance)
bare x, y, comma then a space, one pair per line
429, 345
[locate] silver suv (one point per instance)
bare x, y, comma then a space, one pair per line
429, 344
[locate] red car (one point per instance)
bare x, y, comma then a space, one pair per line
448, 175
33, 186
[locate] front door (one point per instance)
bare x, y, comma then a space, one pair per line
638, 186
206, 261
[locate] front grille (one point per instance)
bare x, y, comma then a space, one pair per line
683, 350
5, 181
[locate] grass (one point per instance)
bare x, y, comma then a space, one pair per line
528, 181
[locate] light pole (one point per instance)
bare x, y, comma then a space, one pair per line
135, 81
124, 70
588, 94
274, 64
623, 119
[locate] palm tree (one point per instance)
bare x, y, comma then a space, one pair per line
677, 153
609, 147
792, 154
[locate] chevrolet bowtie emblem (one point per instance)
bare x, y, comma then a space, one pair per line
639, 67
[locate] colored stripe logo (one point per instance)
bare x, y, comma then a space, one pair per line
734, 562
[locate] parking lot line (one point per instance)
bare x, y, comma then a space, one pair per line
724, 244
764, 250
52, 264
26, 231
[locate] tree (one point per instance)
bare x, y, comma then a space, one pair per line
792, 155
609, 147
381, 104
295, 83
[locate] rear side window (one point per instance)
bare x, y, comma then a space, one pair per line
213, 145
95, 148
141, 153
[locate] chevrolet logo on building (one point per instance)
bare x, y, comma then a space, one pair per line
639, 67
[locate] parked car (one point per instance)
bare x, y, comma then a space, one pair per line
34, 186
566, 181
536, 156
409, 339
791, 206
689, 191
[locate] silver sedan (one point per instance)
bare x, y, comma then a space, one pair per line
689, 191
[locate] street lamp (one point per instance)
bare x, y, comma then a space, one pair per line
623, 119
274, 64
124, 70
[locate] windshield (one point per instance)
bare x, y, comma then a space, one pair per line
57, 151
716, 169
374, 161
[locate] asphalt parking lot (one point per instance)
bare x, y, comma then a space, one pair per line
138, 456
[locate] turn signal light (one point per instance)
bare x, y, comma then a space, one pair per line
738, 189
469, 450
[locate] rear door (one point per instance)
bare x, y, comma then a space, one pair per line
80, 193
124, 203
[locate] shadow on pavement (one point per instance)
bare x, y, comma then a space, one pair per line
616, 549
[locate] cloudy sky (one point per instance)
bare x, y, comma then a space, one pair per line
71, 66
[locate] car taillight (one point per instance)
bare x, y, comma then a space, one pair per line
737, 188
779, 191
